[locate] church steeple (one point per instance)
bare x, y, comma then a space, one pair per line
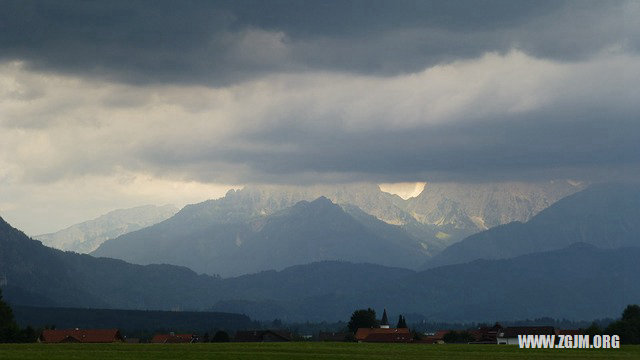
384, 323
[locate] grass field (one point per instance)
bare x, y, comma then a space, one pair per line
303, 350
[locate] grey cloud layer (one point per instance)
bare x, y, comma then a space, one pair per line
496, 117
287, 91
223, 42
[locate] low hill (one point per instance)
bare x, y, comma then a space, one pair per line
35, 273
580, 282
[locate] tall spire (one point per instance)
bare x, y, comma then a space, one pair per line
384, 323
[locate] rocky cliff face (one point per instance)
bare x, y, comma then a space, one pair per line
470, 207
478, 207
603, 215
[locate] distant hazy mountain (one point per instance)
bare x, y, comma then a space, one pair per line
603, 215
267, 199
579, 282
226, 237
87, 236
441, 215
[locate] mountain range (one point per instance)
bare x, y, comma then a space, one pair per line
578, 282
87, 236
269, 227
468, 207
233, 243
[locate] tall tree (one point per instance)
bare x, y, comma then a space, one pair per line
593, 330
628, 327
363, 319
9, 331
220, 336
402, 323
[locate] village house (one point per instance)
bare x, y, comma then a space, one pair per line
384, 333
81, 336
486, 335
389, 335
435, 337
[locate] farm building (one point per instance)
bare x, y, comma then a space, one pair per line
81, 336
389, 335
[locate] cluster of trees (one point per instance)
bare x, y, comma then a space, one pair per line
402, 323
366, 318
458, 337
219, 336
363, 319
10, 332
628, 327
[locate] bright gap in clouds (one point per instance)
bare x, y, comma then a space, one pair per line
405, 190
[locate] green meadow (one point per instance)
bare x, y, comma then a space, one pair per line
300, 350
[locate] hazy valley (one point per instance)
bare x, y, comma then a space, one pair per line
329, 259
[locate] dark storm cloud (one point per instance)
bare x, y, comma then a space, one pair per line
222, 42
496, 152
529, 88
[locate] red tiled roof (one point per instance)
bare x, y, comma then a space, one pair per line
486, 334
83, 336
171, 338
383, 335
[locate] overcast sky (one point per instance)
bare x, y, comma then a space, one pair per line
111, 104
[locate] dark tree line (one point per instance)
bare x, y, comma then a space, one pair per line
366, 318
458, 337
10, 332
628, 327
